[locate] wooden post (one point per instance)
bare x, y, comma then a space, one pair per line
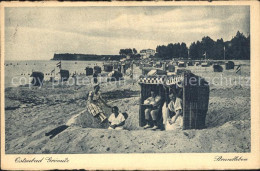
184, 103
140, 107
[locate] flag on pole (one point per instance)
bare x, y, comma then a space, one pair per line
238, 69
58, 64
224, 52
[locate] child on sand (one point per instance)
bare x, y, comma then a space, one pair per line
116, 119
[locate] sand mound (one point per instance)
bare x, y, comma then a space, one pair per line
124, 99
86, 120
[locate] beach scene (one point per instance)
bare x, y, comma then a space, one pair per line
151, 88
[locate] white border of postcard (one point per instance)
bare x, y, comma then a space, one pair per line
148, 161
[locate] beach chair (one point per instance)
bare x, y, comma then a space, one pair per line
108, 68
181, 64
204, 64
156, 72
195, 96
97, 69
229, 65
217, 68
197, 63
114, 76
171, 68
89, 71
64, 74
190, 63
158, 64
37, 78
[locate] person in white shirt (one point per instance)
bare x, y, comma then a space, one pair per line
116, 119
174, 109
153, 106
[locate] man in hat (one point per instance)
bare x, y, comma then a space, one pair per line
153, 106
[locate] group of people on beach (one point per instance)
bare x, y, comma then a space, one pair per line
116, 120
171, 111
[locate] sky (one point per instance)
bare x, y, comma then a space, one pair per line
36, 33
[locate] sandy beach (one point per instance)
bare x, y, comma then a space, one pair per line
31, 113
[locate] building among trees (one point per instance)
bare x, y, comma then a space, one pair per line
146, 53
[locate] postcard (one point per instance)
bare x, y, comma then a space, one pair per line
130, 85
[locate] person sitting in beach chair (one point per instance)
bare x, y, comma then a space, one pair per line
172, 113
153, 107
116, 119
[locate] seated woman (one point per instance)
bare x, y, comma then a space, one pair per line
94, 104
97, 96
116, 119
172, 113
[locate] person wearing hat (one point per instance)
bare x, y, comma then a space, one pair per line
172, 112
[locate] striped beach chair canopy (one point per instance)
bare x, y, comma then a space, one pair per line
161, 79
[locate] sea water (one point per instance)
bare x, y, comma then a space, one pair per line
18, 72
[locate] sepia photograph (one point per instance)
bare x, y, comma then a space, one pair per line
126, 79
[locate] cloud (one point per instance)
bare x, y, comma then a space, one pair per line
38, 33
41, 44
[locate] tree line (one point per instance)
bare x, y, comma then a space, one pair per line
85, 57
171, 51
237, 48
130, 52
127, 51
